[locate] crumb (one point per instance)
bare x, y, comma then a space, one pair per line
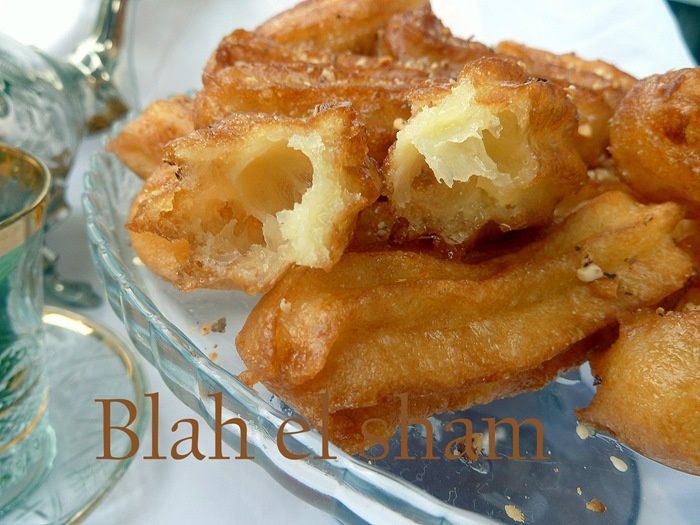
660, 312
618, 463
595, 505
556, 470
579, 491
213, 356
582, 431
515, 513
597, 380
589, 272
285, 305
218, 326
216, 346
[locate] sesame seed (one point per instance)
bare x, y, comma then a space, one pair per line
582, 431
589, 273
515, 513
618, 463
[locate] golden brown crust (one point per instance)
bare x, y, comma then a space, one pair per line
495, 147
346, 425
594, 114
419, 39
242, 46
237, 204
597, 75
337, 25
649, 391
655, 137
298, 90
594, 86
140, 143
360, 338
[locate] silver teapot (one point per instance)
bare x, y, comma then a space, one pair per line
47, 105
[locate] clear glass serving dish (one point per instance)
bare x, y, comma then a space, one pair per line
166, 327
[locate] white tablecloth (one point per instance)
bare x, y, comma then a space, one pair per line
172, 39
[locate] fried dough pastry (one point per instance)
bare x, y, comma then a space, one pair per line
346, 426
337, 25
139, 144
655, 137
242, 46
235, 205
387, 323
298, 91
495, 147
420, 40
594, 114
600, 76
594, 86
649, 391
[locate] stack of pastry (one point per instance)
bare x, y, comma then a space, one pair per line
430, 216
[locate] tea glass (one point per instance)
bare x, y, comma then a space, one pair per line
27, 441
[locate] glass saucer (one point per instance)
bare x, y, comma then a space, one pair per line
85, 361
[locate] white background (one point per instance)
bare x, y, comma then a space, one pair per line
172, 39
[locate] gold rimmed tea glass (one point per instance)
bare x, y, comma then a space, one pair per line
27, 442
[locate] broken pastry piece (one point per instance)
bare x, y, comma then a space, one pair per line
649, 391
337, 25
420, 40
495, 147
237, 204
140, 143
427, 327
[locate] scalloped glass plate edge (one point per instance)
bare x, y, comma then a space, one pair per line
347, 488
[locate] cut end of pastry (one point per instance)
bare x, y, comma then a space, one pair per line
479, 151
459, 139
256, 194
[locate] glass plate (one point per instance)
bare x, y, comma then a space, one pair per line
165, 326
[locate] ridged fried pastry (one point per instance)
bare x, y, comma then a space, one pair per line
649, 391
495, 147
235, 205
299, 90
598, 75
338, 25
139, 145
420, 40
431, 327
594, 86
655, 137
